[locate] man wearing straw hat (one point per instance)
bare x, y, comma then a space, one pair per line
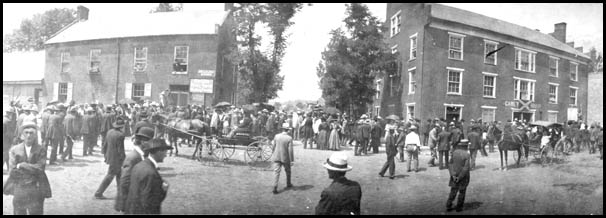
459, 176
343, 196
283, 156
113, 151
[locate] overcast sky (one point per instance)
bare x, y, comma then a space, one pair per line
310, 33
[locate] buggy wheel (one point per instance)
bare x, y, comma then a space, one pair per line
267, 150
254, 151
222, 152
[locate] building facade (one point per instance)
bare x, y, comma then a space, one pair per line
455, 64
595, 97
138, 59
23, 78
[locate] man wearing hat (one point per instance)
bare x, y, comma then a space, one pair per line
144, 121
27, 181
8, 129
433, 142
456, 136
88, 131
375, 136
137, 155
444, 138
400, 142
55, 133
113, 151
25, 111
390, 150
459, 175
147, 189
413, 143
475, 143
107, 119
363, 136
343, 196
71, 132
283, 156
45, 116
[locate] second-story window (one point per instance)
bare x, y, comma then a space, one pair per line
574, 69
455, 78
573, 96
490, 56
181, 55
395, 24
523, 89
140, 58
553, 66
553, 93
412, 83
455, 46
525, 60
65, 62
413, 47
95, 60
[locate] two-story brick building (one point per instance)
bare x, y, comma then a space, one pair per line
455, 64
107, 61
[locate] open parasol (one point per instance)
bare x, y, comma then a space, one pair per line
393, 117
223, 104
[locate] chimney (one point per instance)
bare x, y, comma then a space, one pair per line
82, 13
559, 32
571, 44
580, 49
229, 6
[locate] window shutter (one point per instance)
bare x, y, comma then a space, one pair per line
55, 91
70, 87
147, 89
128, 90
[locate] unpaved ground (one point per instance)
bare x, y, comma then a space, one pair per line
212, 187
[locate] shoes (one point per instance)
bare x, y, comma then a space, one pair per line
381, 175
448, 209
274, 191
392, 177
99, 196
289, 186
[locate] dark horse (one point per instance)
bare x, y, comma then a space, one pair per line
184, 129
512, 142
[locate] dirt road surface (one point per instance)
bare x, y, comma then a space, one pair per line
233, 187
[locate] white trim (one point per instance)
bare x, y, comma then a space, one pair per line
396, 23
556, 92
408, 104
186, 60
395, 47
532, 60
135, 59
454, 105
553, 84
494, 111
574, 87
557, 66
416, 46
454, 68
576, 95
526, 50
550, 111
490, 74
70, 92
460, 83
490, 41
410, 76
533, 111
576, 69
520, 78
456, 34
462, 45
494, 85
495, 54
413, 35
488, 107
412, 68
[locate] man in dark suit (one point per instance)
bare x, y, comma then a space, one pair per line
375, 136
456, 136
390, 150
8, 129
71, 132
444, 147
113, 150
459, 176
475, 142
27, 181
143, 122
141, 141
343, 196
56, 133
147, 189
283, 156
363, 136
89, 126
46, 114
400, 142
107, 119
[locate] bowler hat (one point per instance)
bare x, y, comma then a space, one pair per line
146, 132
156, 144
119, 122
463, 143
286, 126
337, 162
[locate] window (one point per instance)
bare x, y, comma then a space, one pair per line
573, 96
181, 55
574, 67
489, 86
490, 46
395, 24
378, 89
377, 110
64, 62
140, 58
95, 61
138, 91
410, 113
552, 116
62, 95
413, 47
412, 83
553, 66
455, 46
523, 89
488, 113
553, 93
525, 60
454, 81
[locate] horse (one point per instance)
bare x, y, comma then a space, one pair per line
513, 141
179, 128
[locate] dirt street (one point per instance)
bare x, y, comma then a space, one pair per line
213, 187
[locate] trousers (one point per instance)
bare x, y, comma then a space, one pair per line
28, 199
113, 171
68, 148
88, 143
413, 156
443, 154
401, 152
389, 164
54, 144
473, 153
277, 168
453, 194
363, 145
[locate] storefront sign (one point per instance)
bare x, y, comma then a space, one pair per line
522, 105
206, 72
201, 85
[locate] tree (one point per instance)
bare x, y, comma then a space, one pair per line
167, 7
32, 33
258, 79
597, 61
353, 59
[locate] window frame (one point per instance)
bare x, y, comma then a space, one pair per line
186, 59
557, 66
496, 46
408, 114
494, 112
411, 80
62, 86
135, 90
395, 22
460, 82
549, 93
494, 84
410, 56
62, 57
140, 60
576, 71
450, 36
517, 91
394, 49
550, 112
576, 95
532, 58
90, 60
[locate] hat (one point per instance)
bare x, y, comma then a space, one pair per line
90, 109
109, 106
452, 123
28, 125
363, 116
143, 114
337, 162
265, 111
286, 126
118, 123
391, 127
137, 106
146, 132
60, 107
73, 109
49, 107
413, 127
464, 142
157, 144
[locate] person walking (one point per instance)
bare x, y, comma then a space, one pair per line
433, 143
71, 132
55, 133
444, 147
283, 156
143, 122
456, 136
390, 150
400, 142
475, 142
342, 196
107, 119
375, 136
307, 131
459, 176
88, 129
363, 136
27, 181
334, 141
413, 144
147, 189
113, 151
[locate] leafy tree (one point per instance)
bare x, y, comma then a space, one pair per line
167, 7
353, 59
597, 61
32, 33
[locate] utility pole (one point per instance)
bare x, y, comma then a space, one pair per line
117, 73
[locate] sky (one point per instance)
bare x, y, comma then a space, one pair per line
310, 33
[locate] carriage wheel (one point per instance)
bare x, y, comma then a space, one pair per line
222, 152
254, 151
267, 150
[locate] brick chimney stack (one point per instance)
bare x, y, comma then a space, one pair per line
559, 32
82, 13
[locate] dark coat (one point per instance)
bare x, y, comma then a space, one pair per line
390, 145
89, 124
8, 131
283, 152
444, 140
375, 131
31, 170
401, 139
363, 131
70, 125
55, 130
145, 193
113, 149
45, 117
107, 119
456, 136
143, 123
459, 168
342, 197
132, 159
475, 140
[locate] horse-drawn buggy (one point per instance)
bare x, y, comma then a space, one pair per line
543, 141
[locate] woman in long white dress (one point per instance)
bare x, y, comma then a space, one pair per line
333, 140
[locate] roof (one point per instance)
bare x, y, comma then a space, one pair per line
152, 24
23, 66
477, 20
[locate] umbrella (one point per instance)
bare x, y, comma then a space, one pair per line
393, 117
332, 110
223, 104
53, 102
127, 101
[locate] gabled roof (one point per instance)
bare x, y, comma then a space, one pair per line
23, 66
477, 20
153, 24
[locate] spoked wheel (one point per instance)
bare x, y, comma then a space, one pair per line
259, 151
222, 152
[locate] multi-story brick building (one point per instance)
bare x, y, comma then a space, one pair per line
107, 61
455, 64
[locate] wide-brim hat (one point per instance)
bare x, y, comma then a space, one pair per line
337, 162
28, 125
463, 142
157, 144
265, 111
286, 126
119, 123
146, 132
413, 127
363, 116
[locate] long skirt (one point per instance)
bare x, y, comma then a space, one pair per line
322, 140
333, 140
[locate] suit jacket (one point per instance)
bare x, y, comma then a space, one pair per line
89, 124
342, 197
456, 136
390, 145
401, 139
113, 149
145, 193
283, 149
433, 138
143, 123
132, 159
269, 126
363, 131
459, 168
376, 131
107, 120
70, 125
444, 140
45, 117
55, 127
475, 140
31, 171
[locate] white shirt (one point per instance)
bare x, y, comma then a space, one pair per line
28, 150
153, 161
412, 138
138, 150
316, 125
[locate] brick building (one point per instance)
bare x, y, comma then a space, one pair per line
108, 61
447, 68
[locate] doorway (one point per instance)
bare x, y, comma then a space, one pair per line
453, 113
179, 95
521, 116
